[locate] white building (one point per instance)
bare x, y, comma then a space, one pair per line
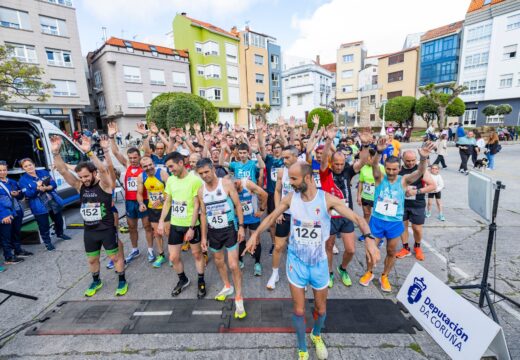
490, 62
368, 107
306, 86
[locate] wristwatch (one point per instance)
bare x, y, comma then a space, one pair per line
369, 235
191, 228
240, 225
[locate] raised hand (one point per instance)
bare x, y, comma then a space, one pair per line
381, 144
163, 132
259, 123
292, 122
85, 144
141, 129
187, 126
153, 128
207, 138
331, 132
196, 127
316, 120
173, 133
365, 137
103, 142
281, 121
112, 128
55, 144
272, 131
427, 148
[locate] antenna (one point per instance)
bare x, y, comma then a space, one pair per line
104, 30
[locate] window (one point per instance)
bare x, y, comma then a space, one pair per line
211, 93
374, 80
469, 117
198, 47
506, 81
14, 19
211, 48
200, 70
513, 22
98, 81
218, 94
347, 74
68, 152
58, 57
348, 58
372, 99
232, 74
132, 74
129, 47
259, 59
476, 61
157, 77
234, 95
202, 93
257, 40
64, 88
275, 78
53, 26
393, 94
179, 78
372, 117
346, 88
259, 78
23, 53
509, 52
479, 33
395, 76
351, 103
61, 2
101, 105
153, 49
275, 96
260, 97
475, 87
135, 99
396, 59
212, 71
275, 61
288, 101
487, 2
300, 99
231, 53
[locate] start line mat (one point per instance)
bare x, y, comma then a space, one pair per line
94, 317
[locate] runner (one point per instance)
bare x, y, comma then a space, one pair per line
245, 167
158, 153
152, 181
254, 202
181, 197
414, 205
283, 221
220, 211
306, 255
367, 186
133, 169
96, 201
387, 217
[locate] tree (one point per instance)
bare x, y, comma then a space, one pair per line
490, 110
335, 108
261, 111
441, 99
325, 115
426, 108
398, 109
18, 79
182, 111
504, 109
456, 108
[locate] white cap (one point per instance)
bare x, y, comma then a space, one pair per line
184, 152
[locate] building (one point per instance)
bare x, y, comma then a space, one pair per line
412, 40
306, 86
332, 69
214, 59
45, 33
439, 55
398, 74
350, 60
127, 75
490, 61
369, 93
260, 73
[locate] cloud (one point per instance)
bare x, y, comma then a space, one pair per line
382, 24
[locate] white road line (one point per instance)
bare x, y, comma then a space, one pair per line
153, 313
206, 312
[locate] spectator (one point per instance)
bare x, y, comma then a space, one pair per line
87, 133
399, 134
442, 150
119, 137
479, 149
76, 135
492, 147
460, 133
465, 145
436, 194
95, 135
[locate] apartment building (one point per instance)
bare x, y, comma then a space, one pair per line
490, 61
127, 75
45, 33
274, 52
369, 101
398, 74
214, 57
350, 59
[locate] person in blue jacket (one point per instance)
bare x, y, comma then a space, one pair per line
11, 216
40, 189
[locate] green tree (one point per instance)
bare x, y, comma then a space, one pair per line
326, 117
182, 111
456, 108
426, 108
398, 109
441, 99
18, 79
490, 110
159, 107
504, 109
261, 110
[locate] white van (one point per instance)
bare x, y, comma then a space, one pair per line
27, 136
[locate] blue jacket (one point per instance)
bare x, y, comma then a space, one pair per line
29, 187
10, 205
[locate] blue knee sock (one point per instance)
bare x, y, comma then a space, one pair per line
318, 324
299, 326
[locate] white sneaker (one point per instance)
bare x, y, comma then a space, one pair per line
335, 250
224, 293
240, 311
271, 284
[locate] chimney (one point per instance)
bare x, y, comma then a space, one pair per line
318, 59
183, 14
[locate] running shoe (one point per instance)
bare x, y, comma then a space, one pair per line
201, 290
110, 264
271, 284
13, 260
64, 237
427, 214
271, 250
224, 293
385, 284
366, 279
258, 269
134, 254
151, 257
331, 280
403, 253
181, 285
240, 312
185, 246
419, 255
321, 349
345, 278
23, 254
335, 250
50, 247
159, 261
123, 229
441, 217
303, 355
240, 264
122, 288
93, 288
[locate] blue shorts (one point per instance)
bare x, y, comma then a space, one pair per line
301, 275
132, 210
385, 229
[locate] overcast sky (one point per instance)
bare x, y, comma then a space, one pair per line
303, 27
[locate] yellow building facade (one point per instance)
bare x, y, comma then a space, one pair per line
398, 74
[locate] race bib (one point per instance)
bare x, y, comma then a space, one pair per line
334, 212
368, 189
155, 196
247, 207
386, 207
91, 212
307, 234
274, 173
131, 184
217, 216
179, 209
317, 181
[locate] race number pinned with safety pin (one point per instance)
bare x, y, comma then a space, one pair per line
179, 209
247, 207
386, 207
131, 184
91, 212
307, 233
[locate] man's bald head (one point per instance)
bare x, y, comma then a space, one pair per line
409, 158
300, 176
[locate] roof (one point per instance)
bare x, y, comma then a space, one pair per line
442, 31
351, 44
378, 56
329, 67
399, 52
146, 47
211, 27
479, 4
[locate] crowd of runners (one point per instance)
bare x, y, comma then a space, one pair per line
213, 192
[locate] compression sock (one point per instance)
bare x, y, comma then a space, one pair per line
182, 276
95, 276
201, 278
416, 245
406, 246
319, 321
122, 276
299, 327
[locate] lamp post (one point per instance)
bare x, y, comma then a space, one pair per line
383, 131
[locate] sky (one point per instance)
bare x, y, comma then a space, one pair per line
304, 28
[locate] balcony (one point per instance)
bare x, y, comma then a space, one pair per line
301, 89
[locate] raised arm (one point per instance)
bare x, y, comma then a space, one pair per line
326, 150
73, 181
381, 146
105, 145
105, 181
112, 130
260, 136
424, 156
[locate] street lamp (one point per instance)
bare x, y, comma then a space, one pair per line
383, 131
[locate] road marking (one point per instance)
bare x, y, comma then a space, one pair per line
206, 312
153, 313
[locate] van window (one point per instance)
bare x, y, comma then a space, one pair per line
20, 140
69, 153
